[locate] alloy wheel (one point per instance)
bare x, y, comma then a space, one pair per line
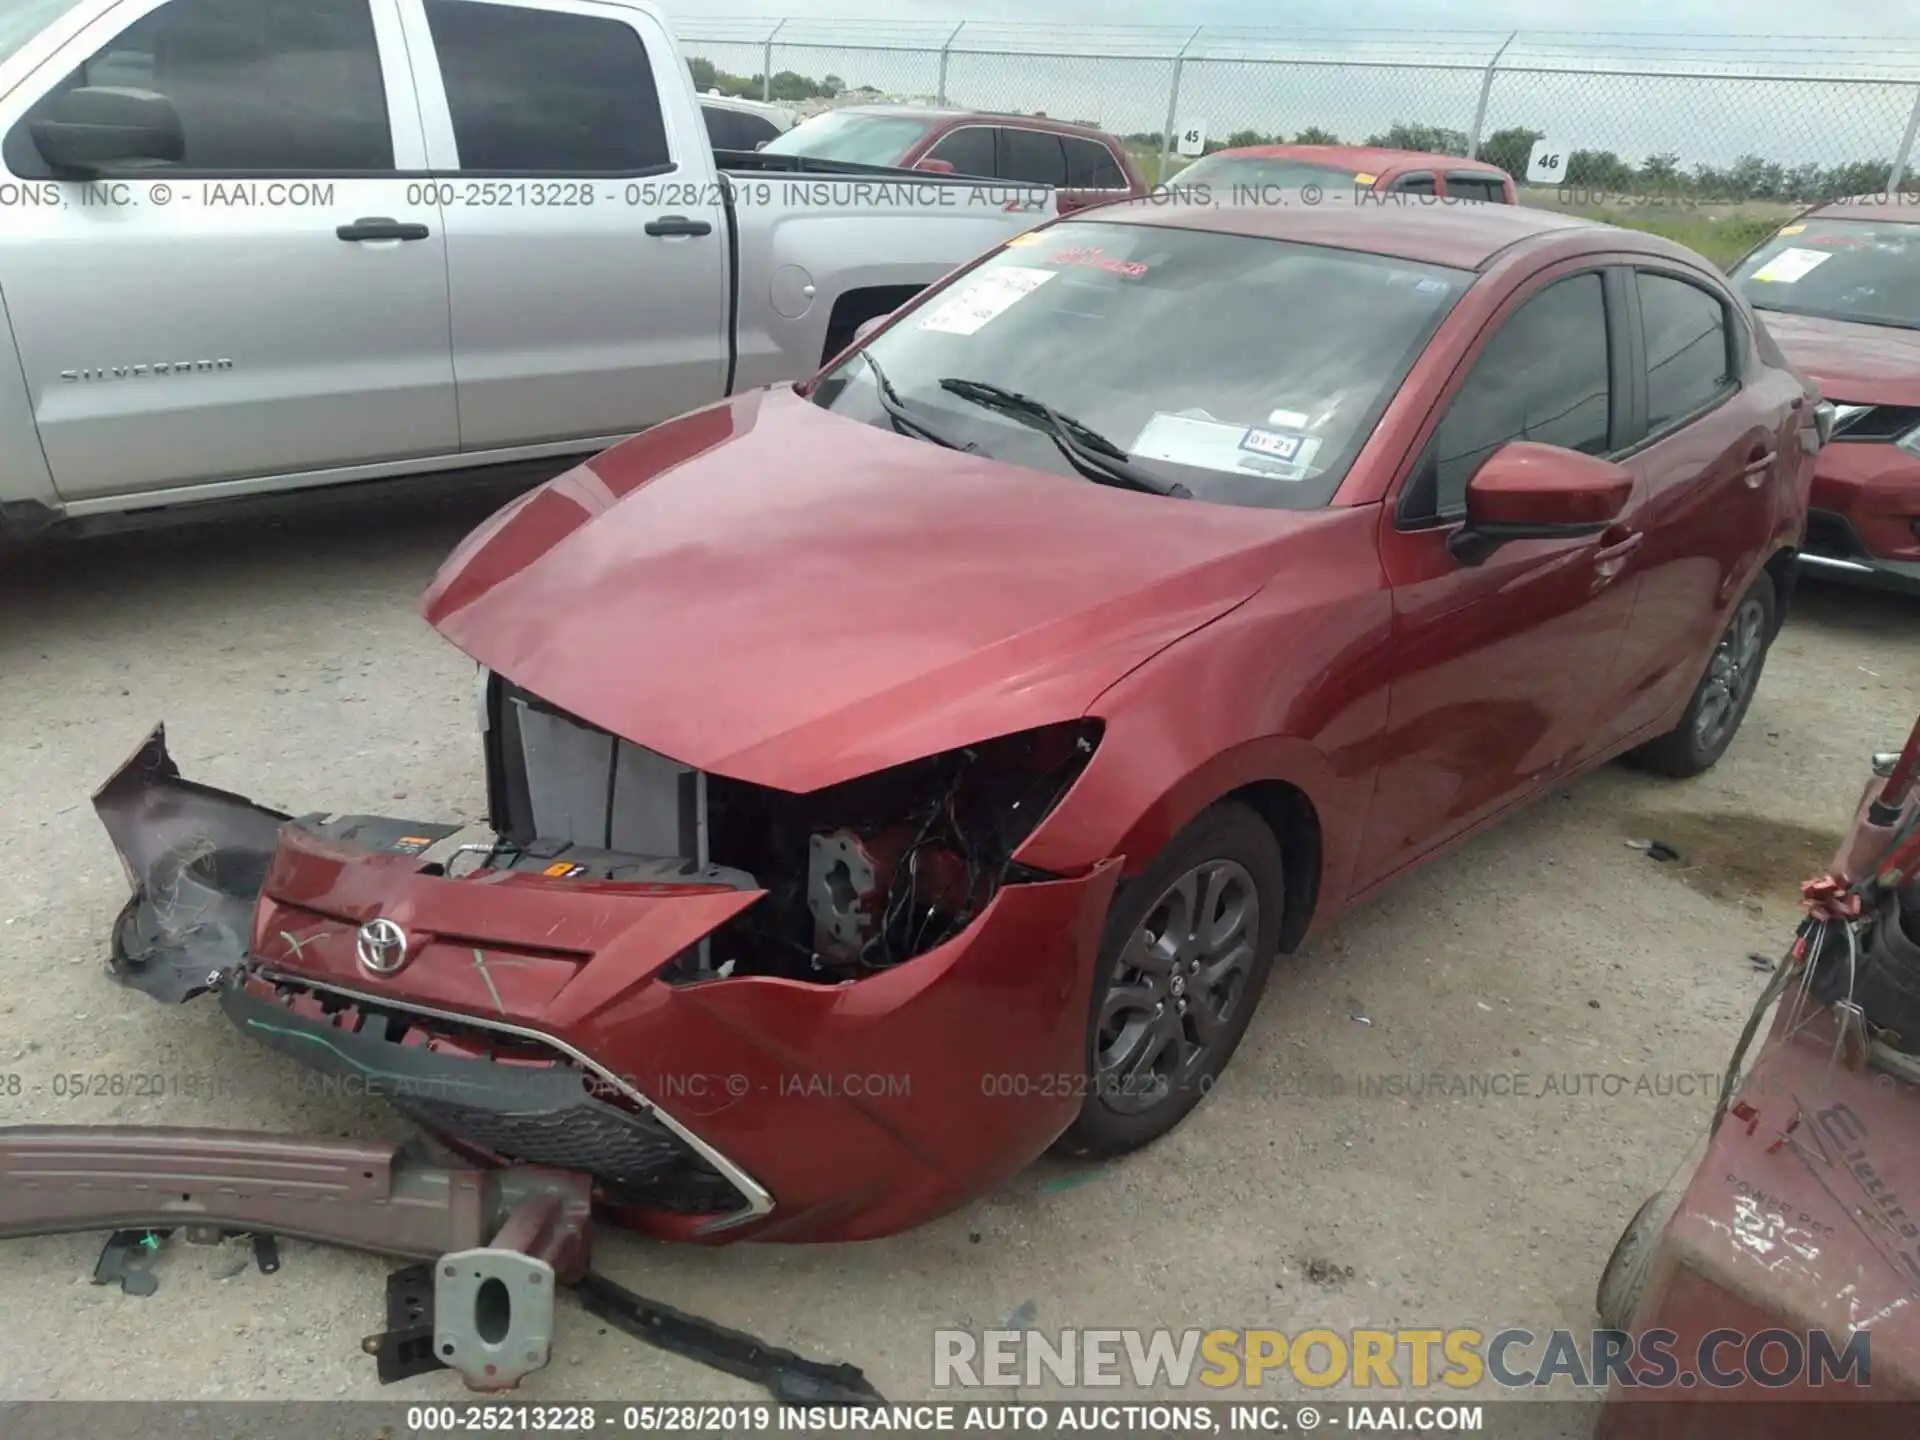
1731, 675
1177, 987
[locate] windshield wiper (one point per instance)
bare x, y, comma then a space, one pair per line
903, 418
1090, 452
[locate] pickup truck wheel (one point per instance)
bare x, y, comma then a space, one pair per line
1725, 691
1186, 952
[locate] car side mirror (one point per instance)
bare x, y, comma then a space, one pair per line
94, 127
933, 166
1529, 491
869, 325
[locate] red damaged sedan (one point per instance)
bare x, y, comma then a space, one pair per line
900, 774
1840, 290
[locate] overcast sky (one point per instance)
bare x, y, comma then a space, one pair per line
1583, 106
1700, 17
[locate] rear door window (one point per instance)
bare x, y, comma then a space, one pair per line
1032, 157
1091, 166
1476, 187
1689, 349
545, 92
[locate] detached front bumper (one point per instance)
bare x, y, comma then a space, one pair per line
531, 1011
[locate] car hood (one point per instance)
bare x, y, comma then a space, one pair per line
1852, 364
767, 590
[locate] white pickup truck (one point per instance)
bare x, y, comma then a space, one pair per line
256, 246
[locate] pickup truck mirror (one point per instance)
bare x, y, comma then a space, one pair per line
933, 166
1529, 491
867, 326
92, 127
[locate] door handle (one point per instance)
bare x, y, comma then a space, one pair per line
1610, 560
679, 225
381, 227
1754, 472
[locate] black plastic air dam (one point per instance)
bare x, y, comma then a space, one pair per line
528, 1114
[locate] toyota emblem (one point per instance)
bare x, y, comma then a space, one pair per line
382, 946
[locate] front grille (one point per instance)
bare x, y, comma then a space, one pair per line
513, 1097
632, 1155
1882, 423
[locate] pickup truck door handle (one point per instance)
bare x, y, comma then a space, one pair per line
380, 227
679, 225
1754, 473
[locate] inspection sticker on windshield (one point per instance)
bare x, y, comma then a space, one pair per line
982, 297
1790, 264
1215, 445
1276, 443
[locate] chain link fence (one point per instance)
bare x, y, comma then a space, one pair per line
1642, 120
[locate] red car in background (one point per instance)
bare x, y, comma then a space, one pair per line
1839, 289
899, 774
1086, 166
1254, 171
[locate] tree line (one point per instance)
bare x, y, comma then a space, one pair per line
787, 85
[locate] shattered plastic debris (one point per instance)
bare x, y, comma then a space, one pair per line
1654, 849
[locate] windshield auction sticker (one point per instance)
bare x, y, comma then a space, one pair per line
1790, 264
982, 297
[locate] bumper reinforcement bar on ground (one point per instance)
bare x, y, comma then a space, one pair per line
500, 1242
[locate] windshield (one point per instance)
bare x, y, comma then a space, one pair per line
1862, 270
1248, 370
21, 20
851, 138
1256, 172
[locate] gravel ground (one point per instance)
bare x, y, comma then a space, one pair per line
290, 664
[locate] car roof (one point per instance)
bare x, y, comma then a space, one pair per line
1368, 159
1463, 234
1903, 208
950, 114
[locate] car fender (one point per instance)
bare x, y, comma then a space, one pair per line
1289, 687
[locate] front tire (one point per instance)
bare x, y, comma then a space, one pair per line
1725, 691
1185, 955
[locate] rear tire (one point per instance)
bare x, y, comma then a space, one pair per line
1185, 955
1725, 691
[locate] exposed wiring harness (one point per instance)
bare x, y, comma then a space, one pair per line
988, 860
